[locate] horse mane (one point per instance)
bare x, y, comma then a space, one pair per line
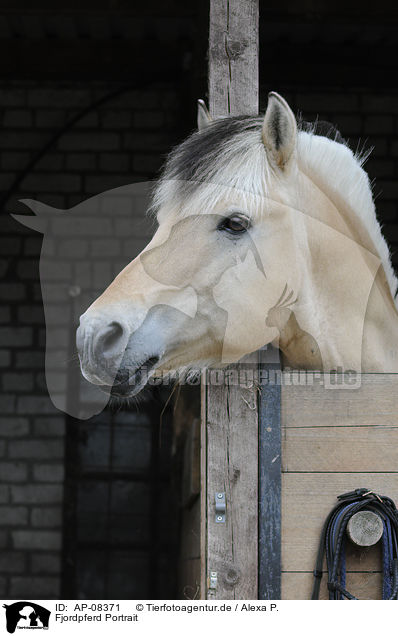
335, 163
230, 153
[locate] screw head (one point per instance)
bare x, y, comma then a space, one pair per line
219, 518
219, 495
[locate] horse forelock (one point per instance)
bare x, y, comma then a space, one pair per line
228, 154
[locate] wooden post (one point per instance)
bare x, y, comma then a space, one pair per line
233, 57
230, 413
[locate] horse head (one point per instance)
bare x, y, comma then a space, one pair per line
199, 293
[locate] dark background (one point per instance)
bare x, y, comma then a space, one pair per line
91, 509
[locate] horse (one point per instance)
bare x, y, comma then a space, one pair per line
267, 234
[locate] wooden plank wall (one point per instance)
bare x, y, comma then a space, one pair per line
230, 413
334, 440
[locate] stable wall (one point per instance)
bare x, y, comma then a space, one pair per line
334, 440
122, 142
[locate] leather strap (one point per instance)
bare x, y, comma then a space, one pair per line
333, 539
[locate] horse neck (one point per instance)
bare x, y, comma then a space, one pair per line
345, 301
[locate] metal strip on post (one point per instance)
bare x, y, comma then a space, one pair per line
270, 487
230, 413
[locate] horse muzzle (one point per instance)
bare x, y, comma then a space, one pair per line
101, 347
115, 359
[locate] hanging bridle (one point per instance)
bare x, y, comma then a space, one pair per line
333, 540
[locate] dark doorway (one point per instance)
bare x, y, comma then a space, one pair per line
121, 518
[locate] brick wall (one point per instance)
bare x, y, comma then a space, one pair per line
120, 143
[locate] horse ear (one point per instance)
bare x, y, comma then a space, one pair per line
204, 118
42, 212
279, 130
32, 222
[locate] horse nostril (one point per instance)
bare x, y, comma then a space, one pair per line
113, 335
109, 338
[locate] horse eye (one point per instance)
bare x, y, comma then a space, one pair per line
235, 224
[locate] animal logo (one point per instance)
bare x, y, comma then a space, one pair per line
83, 248
26, 615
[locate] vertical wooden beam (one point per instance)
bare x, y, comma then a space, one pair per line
230, 413
233, 57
